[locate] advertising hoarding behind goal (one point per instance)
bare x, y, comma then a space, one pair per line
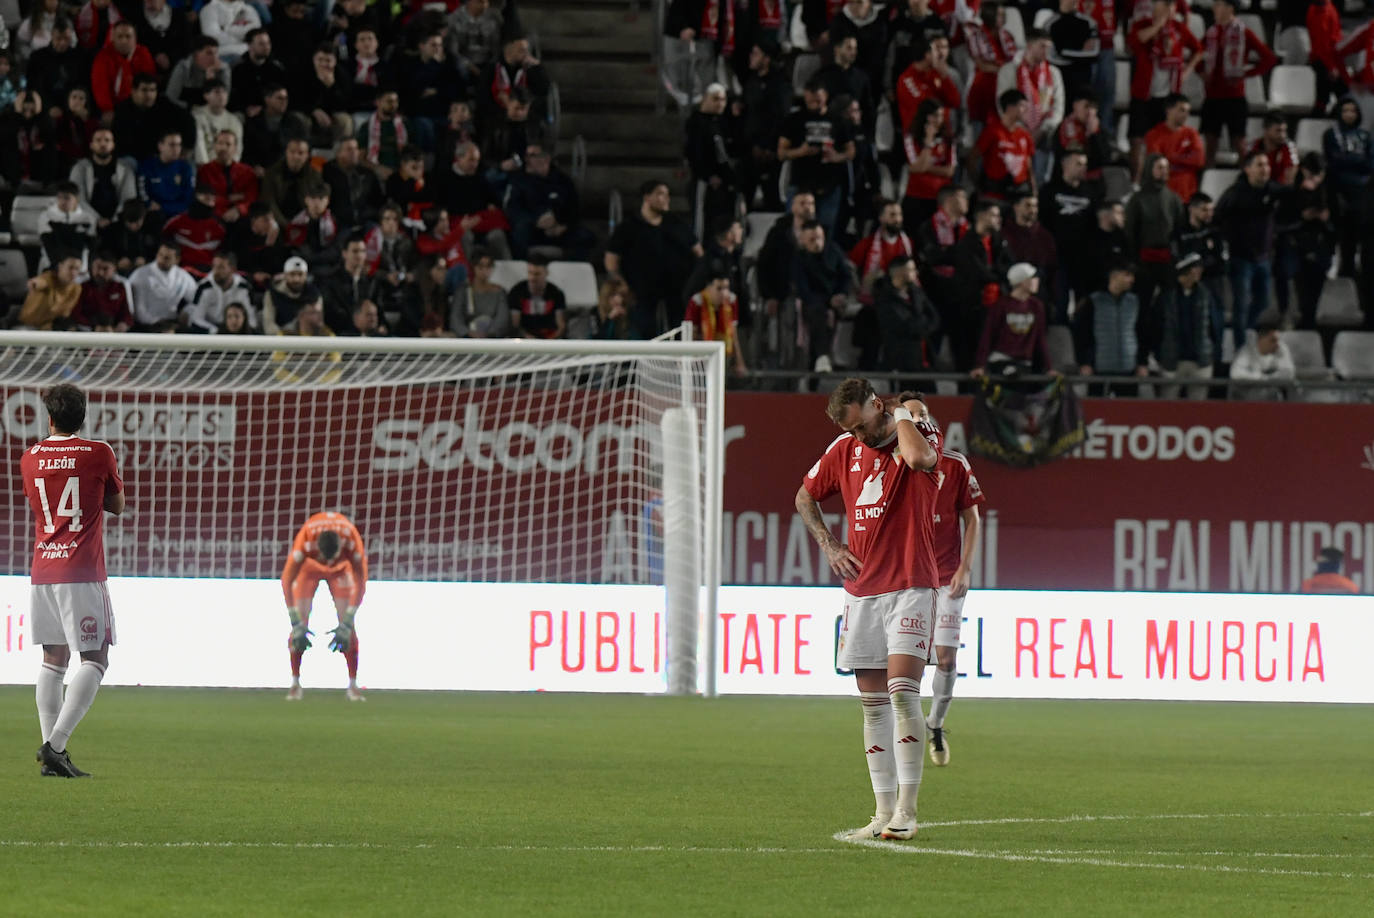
770, 640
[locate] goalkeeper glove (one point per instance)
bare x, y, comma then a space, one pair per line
343, 636
300, 639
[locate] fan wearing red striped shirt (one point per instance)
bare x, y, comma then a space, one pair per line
1233, 55
881, 468
1281, 152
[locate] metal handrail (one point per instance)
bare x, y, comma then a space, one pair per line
579, 159
656, 54
615, 209
1291, 388
555, 114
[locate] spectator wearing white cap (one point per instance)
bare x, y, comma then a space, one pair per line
1183, 346
1013, 341
288, 296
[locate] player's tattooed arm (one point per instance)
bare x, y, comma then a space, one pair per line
842, 561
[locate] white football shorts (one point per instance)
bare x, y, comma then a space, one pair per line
949, 617
889, 623
76, 614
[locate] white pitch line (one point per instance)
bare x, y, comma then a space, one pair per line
351, 846
1127, 817
1013, 856
1152, 853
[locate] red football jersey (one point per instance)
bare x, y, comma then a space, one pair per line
890, 510
66, 480
959, 490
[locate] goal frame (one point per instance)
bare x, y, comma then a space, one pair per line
712, 425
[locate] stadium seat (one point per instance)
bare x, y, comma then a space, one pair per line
577, 280
1060, 341
1352, 355
797, 31
804, 68
1306, 348
24, 215
1015, 25
1197, 26
1293, 89
1339, 305
1123, 130
756, 227
1119, 46
14, 275
884, 131
507, 274
1293, 45
1123, 86
1116, 182
1195, 90
1216, 181
1254, 95
1310, 134
1254, 23
1043, 17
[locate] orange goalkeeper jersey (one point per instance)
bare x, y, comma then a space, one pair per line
352, 553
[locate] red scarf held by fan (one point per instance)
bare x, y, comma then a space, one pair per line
502, 84
1231, 53
710, 25
881, 252
1035, 82
709, 324
947, 232
374, 136
770, 14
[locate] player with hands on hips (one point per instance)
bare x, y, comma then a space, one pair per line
329, 548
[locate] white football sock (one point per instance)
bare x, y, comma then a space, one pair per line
80, 695
942, 693
882, 767
909, 734
48, 694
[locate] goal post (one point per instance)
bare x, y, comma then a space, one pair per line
461, 460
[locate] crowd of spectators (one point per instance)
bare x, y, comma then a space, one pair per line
999, 222
341, 168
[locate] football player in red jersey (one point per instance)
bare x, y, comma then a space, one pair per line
956, 503
70, 482
880, 466
329, 548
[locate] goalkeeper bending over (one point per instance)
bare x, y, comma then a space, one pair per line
329, 548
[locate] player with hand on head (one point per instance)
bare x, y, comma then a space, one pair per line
881, 466
329, 548
70, 482
957, 501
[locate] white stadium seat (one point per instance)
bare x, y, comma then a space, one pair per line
1306, 348
756, 227
1339, 305
1293, 45
1293, 89
506, 274
1255, 24
24, 214
577, 280
1123, 86
14, 275
1254, 95
1352, 355
1311, 132
1043, 17
1015, 25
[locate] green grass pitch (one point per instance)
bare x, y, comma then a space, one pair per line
238, 803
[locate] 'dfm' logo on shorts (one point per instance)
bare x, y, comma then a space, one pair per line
88, 628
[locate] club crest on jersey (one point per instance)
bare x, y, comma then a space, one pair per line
858, 451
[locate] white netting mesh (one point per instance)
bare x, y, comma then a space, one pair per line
510, 462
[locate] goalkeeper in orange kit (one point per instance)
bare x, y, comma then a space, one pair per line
329, 548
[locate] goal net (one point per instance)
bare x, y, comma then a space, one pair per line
461, 461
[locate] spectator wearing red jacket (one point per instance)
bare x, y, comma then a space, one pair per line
1179, 143
94, 22
197, 232
873, 253
234, 184
1233, 54
1165, 52
114, 68
929, 77
1002, 157
1324, 28
1281, 152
